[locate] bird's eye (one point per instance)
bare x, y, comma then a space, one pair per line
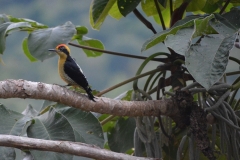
61, 48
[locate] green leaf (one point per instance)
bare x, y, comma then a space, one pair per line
202, 27
92, 43
43, 39
7, 153
86, 126
3, 28
26, 51
210, 7
160, 37
120, 139
181, 41
17, 26
149, 7
98, 12
11, 123
187, 19
51, 126
33, 23
8, 27
82, 30
114, 12
195, 5
207, 61
125, 7
30, 111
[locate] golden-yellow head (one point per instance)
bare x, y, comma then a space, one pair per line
62, 50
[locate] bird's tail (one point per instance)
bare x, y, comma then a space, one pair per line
90, 95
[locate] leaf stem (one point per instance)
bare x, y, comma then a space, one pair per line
114, 53
129, 80
224, 7
109, 118
144, 20
160, 14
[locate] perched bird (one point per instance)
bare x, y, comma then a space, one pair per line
70, 71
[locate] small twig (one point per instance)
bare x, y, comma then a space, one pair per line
114, 53
144, 20
171, 8
129, 80
109, 118
224, 7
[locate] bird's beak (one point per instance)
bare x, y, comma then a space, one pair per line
53, 50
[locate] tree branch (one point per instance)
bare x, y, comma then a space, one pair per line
38, 90
73, 148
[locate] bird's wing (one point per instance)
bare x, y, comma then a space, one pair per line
73, 71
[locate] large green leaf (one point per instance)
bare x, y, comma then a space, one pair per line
125, 7
160, 37
11, 123
120, 139
98, 12
7, 153
86, 126
41, 40
181, 41
207, 61
51, 126
92, 43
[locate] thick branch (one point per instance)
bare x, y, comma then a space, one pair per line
38, 90
73, 148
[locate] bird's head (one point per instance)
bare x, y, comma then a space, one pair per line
62, 50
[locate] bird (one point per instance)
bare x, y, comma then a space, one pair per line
70, 71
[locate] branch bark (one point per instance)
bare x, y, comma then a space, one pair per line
38, 90
73, 148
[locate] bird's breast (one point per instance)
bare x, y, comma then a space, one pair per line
63, 74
